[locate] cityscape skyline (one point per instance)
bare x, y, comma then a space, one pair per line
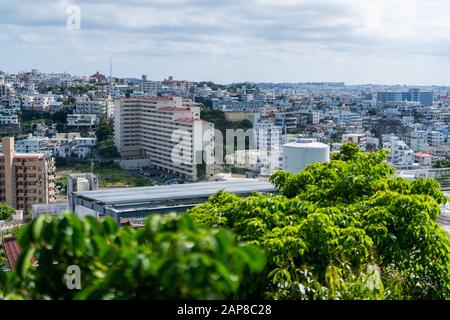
138, 77
244, 151
379, 42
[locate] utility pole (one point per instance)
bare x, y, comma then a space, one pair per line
110, 76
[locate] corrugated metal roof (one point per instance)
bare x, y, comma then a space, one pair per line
174, 192
12, 251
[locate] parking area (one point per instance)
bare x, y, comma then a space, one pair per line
160, 177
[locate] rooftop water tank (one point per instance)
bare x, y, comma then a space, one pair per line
82, 184
303, 152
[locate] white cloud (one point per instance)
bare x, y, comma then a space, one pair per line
233, 40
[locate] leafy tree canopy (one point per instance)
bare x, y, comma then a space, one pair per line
442, 164
6, 212
104, 131
170, 258
220, 121
346, 229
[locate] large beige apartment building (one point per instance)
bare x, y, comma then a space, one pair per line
156, 128
25, 178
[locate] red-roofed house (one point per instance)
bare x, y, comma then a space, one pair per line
424, 159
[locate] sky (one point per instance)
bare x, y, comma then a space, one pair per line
355, 41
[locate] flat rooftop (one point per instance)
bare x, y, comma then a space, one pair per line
18, 155
142, 195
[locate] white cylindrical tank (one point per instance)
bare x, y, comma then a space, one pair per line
303, 152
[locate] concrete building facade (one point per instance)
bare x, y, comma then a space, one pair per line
150, 127
25, 179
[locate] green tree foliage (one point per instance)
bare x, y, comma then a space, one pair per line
296, 131
212, 85
108, 149
70, 101
341, 230
207, 102
170, 258
245, 124
58, 117
235, 86
220, 121
106, 145
442, 164
104, 131
61, 183
6, 212
110, 174
72, 90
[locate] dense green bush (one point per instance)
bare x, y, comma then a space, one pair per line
6, 212
170, 258
104, 131
107, 149
341, 230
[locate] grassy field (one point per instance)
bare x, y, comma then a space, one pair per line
109, 174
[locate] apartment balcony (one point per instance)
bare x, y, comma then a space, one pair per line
27, 179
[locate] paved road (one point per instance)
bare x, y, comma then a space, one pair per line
444, 218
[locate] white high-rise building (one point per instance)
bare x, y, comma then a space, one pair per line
269, 144
168, 130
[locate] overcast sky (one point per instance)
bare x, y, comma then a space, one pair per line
356, 41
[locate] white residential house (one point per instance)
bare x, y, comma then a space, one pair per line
399, 152
15, 103
27, 102
81, 152
360, 139
436, 138
82, 120
329, 127
33, 144
424, 159
86, 106
8, 116
6, 90
316, 117
407, 120
286, 120
150, 88
66, 145
418, 140
86, 142
42, 102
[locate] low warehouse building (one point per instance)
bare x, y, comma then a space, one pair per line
125, 203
